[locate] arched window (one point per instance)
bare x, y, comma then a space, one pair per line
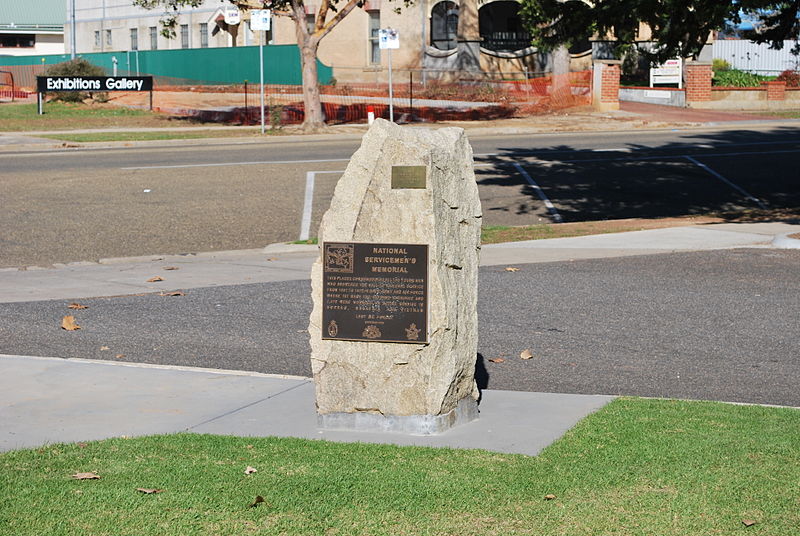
444, 25
501, 27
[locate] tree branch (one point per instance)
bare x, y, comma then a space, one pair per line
325, 30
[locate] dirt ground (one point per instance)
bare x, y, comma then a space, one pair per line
573, 119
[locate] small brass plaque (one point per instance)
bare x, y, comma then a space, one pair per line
414, 177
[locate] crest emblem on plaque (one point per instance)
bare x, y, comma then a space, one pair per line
333, 328
371, 332
412, 332
339, 258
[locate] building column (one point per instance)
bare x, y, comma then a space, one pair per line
605, 85
469, 37
698, 82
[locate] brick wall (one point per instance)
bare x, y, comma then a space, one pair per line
605, 93
698, 82
776, 90
609, 92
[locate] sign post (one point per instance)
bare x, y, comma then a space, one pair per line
260, 21
388, 39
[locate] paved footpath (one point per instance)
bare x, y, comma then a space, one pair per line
47, 400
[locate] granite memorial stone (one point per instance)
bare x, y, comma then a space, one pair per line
394, 326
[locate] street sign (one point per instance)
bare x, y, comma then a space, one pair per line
232, 15
260, 20
388, 38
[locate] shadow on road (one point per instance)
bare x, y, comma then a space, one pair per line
703, 174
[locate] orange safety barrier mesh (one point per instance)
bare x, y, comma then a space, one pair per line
413, 100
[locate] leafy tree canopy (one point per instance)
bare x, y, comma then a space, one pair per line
679, 27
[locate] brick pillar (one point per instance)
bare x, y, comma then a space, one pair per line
605, 85
776, 90
698, 82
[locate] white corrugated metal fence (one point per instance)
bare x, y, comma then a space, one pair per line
760, 59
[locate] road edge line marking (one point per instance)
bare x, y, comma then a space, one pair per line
308, 205
736, 187
551, 209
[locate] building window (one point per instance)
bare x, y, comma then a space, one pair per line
134, 38
108, 38
153, 38
501, 27
374, 44
97, 41
444, 25
17, 40
203, 35
184, 36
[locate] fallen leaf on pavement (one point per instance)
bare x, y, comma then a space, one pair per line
74, 305
104, 348
748, 522
259, 499
68, 323
149, 491
171, 268
119, 356
525, 354
549, 497
496, 360
155, 279
86, 476
250, 470
512, 269
173, 293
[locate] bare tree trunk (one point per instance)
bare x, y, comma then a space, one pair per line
312, 104
562, 92
308, 45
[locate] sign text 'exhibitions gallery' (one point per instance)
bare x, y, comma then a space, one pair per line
94, 83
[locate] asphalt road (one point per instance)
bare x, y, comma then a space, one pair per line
88, 203
716, 325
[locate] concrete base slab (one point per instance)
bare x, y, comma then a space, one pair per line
49, 400
464, 412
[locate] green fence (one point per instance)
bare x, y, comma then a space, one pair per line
196, 65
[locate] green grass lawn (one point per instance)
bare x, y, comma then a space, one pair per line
637, 467
65, 116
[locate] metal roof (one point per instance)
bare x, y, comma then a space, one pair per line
32, 15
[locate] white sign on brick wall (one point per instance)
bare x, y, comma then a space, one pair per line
669, 72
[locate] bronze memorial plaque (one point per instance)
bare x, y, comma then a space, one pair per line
375, 292
409, 177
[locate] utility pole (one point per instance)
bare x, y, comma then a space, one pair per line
72, 39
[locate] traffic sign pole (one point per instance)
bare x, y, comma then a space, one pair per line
261, 64
391, 94
260, 21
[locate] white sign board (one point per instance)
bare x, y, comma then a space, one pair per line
388, 38
232, 15
669, 72
260, 20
